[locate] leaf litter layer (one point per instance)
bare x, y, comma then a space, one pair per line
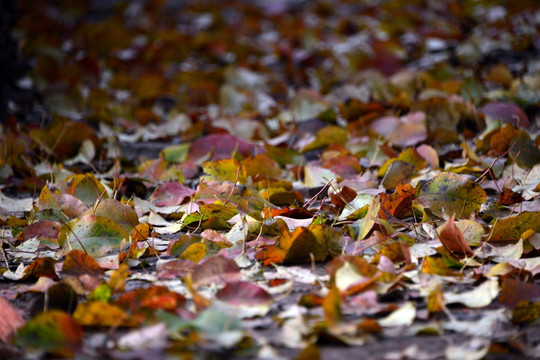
266, 180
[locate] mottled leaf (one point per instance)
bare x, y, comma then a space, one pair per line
511, 229
52, 331
96, 235
450, 194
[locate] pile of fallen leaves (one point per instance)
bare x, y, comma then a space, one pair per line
249, 177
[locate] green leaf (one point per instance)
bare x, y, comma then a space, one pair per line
176, 153
86, 188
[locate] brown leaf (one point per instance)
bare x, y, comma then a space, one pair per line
46, 229
452, 238
514, 291
42, 267
78, 263
332, 307
509, 197
341, 198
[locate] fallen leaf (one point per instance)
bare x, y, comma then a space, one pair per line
399, 203
450, 194
96, 235
511, 229
404, 316
86, 188
525, 311
514, 291
360, 228
481, 296
52, 331
10, 320
453, 239
78, 263
170, 194
507, 112
244, 293
215, 270
66, 203
121, 214
99, 313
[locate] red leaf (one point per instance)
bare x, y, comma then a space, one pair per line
221, 146
171, 194
46, 229
507, 112
244, 293
215, 270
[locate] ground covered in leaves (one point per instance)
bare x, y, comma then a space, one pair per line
294, 179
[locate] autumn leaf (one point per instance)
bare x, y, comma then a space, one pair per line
265, 179
170, 194
10, 320
399, 203
317, 242
66, 203
99, 313
121, 214
360, 228
216, 269
244, 293
78, 263
53, 331
93, 234
225, 170
332, 307
511, 229
453, 239
86, 188
450, 194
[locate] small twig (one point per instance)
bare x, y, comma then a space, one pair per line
3, 252
73, 233
98, 201
316, 195
234, 186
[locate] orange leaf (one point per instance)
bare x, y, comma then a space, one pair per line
152, 298
261, 167
399, 203
332, 306
271, 255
